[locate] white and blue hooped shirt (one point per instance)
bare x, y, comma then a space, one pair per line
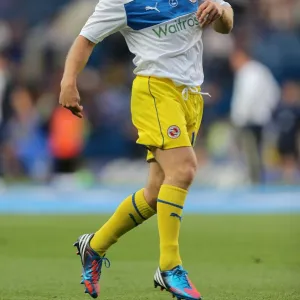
164, 35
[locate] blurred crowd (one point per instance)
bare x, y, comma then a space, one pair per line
251, 124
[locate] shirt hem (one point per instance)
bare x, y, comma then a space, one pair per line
176, 81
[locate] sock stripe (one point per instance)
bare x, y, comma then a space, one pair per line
133, 219
176, 216
136, 208
169, 203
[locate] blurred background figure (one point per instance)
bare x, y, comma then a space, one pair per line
247, 74
5, 90
287, 120
65, 141
24, 149
255, 96
4, 83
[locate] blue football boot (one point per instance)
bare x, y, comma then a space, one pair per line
176, 282
91, 264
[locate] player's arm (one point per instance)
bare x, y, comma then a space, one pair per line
225, 23
76, 61
218, 13
108, 18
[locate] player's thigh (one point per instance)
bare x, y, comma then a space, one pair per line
182, 161
158, 115
155, 180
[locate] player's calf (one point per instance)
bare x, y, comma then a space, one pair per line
155, 180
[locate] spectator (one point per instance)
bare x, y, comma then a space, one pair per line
287, 118
5, 85
65, 140
24, 144
255, 96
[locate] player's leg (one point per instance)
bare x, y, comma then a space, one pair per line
133, 211
163, 117
180, 166
155, 180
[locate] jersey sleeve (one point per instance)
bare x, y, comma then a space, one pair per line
108, 18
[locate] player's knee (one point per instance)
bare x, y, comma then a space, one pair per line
183, 174
186, 174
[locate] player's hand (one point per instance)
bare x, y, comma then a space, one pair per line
208, 12
69, 98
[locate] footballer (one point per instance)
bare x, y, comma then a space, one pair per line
166, 106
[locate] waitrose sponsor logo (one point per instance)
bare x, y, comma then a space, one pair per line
176, 26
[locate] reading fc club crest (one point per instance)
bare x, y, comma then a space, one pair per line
174, 132
174, 3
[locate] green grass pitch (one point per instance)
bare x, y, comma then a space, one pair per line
228, 258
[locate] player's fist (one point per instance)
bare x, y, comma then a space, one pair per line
69, 98
208, 12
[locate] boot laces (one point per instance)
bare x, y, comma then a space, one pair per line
181, 276
95, 271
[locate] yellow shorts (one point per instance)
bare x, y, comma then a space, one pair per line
164, 118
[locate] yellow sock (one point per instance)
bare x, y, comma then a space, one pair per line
133, 211
169, 211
